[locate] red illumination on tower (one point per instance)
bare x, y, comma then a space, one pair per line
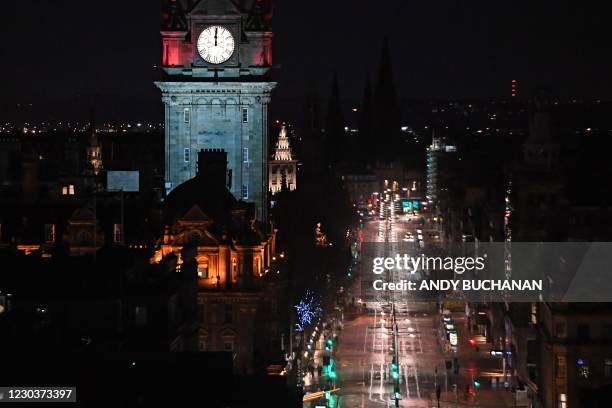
513, 88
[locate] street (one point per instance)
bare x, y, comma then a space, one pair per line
365, 350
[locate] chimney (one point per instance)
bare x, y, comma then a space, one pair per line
212, 166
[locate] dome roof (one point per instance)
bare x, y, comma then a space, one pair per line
212, 198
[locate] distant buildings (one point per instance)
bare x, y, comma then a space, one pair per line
438, 167
539, 190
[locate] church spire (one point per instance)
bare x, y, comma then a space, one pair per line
334, 129
387, 112
366, 118
94, 153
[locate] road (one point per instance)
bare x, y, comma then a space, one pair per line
365, 345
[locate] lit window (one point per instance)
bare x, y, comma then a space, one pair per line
187, 155
187, 116
534, 313
203, 268
245, 155
245, 192
117, 233
608, 367
562, 400
68, 189
49, 233
245, 115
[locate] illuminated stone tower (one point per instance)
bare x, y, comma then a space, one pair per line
283, 168
216, 58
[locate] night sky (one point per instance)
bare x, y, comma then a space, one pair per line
58, 53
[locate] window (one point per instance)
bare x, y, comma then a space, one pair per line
68, 189
562, 400
534, 313
187, 155
186, 116
202, 313
583, 332
140, 316
117, 233
608, 367
561, 368
245, 192
228, 317
234, 267
245, 115
49, 233
228, 345
245, 155
203, 268
561, 330
203, 340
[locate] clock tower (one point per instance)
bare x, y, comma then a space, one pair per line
216, 89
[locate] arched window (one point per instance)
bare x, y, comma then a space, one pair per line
234, 267
203, 268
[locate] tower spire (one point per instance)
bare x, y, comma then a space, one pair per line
94, 153
387, 113
283, 148
334, 130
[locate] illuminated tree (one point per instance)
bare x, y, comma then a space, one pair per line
308, 309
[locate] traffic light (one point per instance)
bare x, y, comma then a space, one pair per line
476, 383
331, 374
394, 370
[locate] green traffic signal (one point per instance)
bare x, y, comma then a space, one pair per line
476, 383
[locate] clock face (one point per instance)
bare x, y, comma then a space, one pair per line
216, 44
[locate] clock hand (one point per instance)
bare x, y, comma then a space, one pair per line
216, 37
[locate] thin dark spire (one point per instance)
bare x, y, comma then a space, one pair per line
334, 129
